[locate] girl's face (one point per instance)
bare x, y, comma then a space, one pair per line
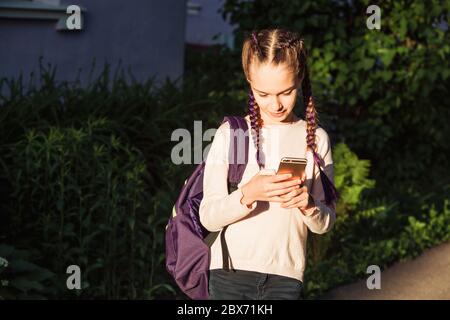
275, 90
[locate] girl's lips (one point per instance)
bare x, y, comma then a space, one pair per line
277, 114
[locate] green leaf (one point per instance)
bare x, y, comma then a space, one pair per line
24, 284
22, 265
6, 251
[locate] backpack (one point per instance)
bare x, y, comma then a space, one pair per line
187, 242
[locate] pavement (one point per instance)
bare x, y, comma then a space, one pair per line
427, 277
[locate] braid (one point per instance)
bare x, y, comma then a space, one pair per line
255, 121
311, 114
331, 193
256, 45
288, 43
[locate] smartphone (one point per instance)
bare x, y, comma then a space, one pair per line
295, 166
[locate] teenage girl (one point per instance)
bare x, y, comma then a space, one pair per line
268, 216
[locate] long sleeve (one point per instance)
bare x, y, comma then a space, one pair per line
218, 208
321, 218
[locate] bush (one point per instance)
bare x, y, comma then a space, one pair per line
22, 279
81, 199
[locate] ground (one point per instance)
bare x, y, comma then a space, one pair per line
426, 277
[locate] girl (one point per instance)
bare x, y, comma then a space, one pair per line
268, 216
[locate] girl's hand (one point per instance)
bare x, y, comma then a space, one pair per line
298, 198
268, 188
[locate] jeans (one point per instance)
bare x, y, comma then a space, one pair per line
251, 285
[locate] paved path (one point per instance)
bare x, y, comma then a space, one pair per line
426, 277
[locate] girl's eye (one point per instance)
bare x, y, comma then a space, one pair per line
285, 94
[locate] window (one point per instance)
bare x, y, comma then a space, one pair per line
193, 9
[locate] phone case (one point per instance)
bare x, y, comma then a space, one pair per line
295, 166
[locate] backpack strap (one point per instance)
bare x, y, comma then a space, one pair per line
331, 193
238, 152
237, 159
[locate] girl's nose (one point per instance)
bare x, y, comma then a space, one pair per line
276, 104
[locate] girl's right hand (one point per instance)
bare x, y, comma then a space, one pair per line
268, 188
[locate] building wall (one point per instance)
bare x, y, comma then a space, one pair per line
147, 36
201, 27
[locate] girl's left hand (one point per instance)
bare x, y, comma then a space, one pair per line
298, 198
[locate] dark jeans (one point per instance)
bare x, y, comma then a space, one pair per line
251, 285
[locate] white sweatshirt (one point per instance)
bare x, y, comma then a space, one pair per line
266, 237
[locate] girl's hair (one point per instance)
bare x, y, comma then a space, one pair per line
278, 46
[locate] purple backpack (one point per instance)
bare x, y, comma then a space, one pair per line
187, 251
